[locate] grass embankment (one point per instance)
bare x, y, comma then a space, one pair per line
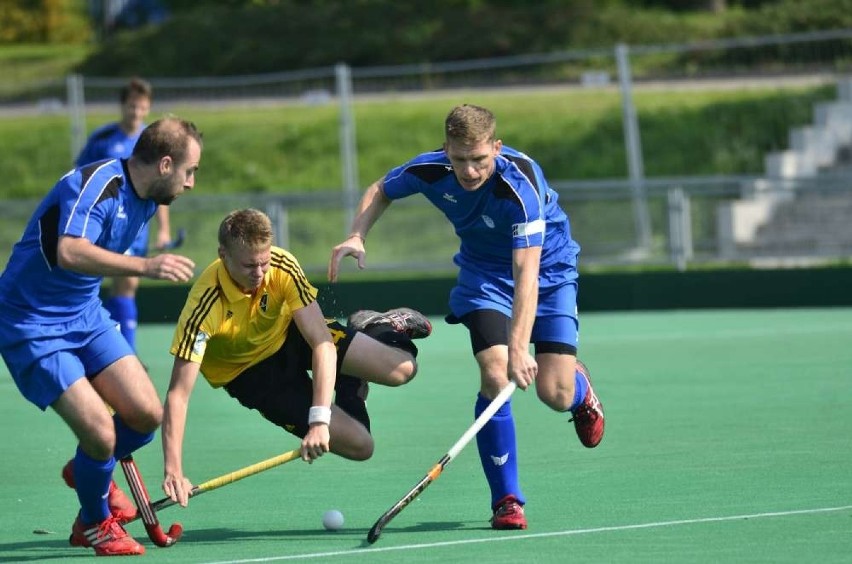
574, 134
294, 148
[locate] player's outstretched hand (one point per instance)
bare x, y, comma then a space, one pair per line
353, 246
178, 488
175, 268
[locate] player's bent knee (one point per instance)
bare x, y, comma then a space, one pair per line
403, 373
358, 450
99, 443
555, 399
146, 420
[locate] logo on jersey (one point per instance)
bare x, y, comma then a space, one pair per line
200, 343
121, 213
450, 198
229, 314
264, 302
526, 229
488, 221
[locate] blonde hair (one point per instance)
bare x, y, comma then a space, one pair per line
250, 228
470, 124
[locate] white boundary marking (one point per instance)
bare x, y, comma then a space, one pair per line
652, 525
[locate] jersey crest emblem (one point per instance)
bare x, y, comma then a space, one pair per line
488, 221
200, 343
264, 302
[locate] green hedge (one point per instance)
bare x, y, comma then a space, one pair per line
289, 34
572, 134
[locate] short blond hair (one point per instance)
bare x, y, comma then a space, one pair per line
470, 124
249, 228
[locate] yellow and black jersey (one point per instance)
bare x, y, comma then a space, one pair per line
227, 330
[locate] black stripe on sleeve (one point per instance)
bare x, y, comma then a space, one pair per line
193, 324
292, 268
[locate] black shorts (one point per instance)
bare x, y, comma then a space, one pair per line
489, 327
280, 387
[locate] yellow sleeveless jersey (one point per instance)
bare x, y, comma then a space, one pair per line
227, 330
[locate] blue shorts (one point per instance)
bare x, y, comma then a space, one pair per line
45, 359
556, 317
139, 248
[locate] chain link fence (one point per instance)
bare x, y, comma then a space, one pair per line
785, 213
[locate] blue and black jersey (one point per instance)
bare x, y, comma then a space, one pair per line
96, 201
514, 209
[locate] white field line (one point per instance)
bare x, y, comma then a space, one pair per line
514, 538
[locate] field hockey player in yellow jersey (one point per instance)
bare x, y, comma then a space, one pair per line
251, 325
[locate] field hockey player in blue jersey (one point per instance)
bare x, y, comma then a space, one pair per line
116, 141
516, 285
61, 346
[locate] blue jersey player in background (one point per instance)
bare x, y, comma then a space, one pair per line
61, 346
517, 284
115, 141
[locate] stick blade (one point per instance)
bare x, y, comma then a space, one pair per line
375, 532
160, 537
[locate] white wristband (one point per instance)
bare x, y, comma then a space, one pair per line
319, 414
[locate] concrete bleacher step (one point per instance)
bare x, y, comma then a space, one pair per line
813, 219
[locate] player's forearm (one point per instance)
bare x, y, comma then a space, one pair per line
163, 224
324, 373
173, 430
524, 304
373, 204
81, 255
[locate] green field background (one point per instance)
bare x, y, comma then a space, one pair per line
728, 440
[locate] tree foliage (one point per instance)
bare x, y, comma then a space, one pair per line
43, 21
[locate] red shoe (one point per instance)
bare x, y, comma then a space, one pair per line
402, 319
121, 506
508, 514
588, 417
108, 538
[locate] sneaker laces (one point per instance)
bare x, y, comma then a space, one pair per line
399, 322
586, 413
510, 507
108, 529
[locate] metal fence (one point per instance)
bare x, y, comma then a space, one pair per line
691, 223
634, 219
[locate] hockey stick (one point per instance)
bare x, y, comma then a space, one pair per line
156, 533
436, 470
177, 241
143, 504
232, 477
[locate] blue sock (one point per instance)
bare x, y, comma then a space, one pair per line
123, 310
498, 451
128, 441
92, 478
581, 386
